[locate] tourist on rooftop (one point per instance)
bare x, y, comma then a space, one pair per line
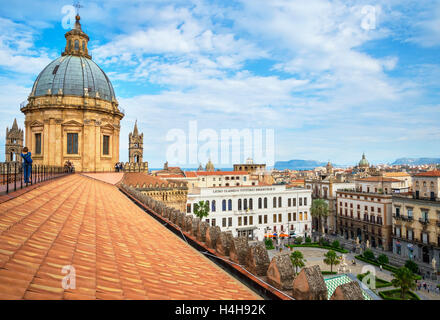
27, 164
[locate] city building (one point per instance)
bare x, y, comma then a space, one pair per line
250, 167
366, 215
416, 221
324, 186
14, 143
72, 113
254, 210
379, 184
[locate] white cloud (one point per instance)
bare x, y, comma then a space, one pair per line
17, 51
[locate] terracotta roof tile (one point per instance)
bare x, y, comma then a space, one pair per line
435, 173
111, 242
379, 179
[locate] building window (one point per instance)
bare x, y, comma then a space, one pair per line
410, 212
38, 143
274, 218
260, 219
300, 216
188, 208
245, 221
305, 215
105, 145
279, 202
224, 222
239, 221
229, 204
274, 202
294, 202
251, 220
245, 204
239, 204
251, 204
294, 216
230, 222
265, 218
265, 203
213, 222
289, 202
72, 143
76, 45
300, 201
289, 216
260, 203
280, 217
224, 205
305, 200
213, 206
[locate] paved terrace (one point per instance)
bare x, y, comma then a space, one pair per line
118, 251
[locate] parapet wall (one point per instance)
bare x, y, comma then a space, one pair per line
251, 261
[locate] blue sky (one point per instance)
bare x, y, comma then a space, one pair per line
332, 78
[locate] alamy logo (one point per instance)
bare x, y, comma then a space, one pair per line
69, 281
228, 147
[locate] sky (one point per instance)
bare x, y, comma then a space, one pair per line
332, 79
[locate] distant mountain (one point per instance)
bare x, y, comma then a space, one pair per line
298, 164
416, 161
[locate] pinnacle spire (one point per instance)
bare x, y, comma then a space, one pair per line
15, 125
135, 130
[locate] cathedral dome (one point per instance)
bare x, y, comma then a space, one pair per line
364, 162
74, 75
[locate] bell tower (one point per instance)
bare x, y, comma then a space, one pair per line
14, 143
135, 145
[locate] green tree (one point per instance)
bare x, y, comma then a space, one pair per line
382, 259
298, 260
335, 244
319, 210
269, 244
405, 279
201, 209
368, 254
331, 259
298, 240
411, 265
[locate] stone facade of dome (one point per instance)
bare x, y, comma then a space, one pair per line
72, 113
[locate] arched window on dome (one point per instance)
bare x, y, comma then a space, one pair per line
70, 45
76, 45
84, 46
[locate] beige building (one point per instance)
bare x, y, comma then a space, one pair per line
378, 184
416, 228
72, 113
367, 216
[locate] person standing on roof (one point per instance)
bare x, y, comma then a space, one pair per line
27, 164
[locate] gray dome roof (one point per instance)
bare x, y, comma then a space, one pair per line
74, 75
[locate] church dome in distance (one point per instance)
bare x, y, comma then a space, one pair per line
364, 162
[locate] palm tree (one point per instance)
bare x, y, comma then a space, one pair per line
405, 279
319, 210
332, 259
201, 209
298, 260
